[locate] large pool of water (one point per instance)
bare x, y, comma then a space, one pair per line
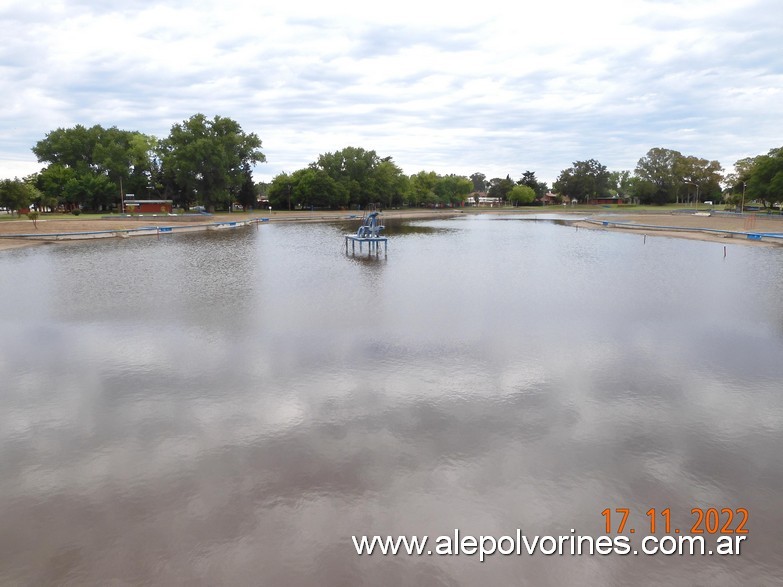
235, 408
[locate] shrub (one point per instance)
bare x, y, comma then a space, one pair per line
33, 215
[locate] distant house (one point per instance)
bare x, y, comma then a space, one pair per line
607, 200
550, 199
489, 201
149, 206
482, 199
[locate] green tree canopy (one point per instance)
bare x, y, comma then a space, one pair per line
247, 191
499, 188
584, 180
479, 182
17, 194
451, 190
364, 176
529, 179
422, 188
766, 178
281, 192
97, 157
207, 160
314, 188
390, 183
662, 168
706, 175
521, 194
620, 182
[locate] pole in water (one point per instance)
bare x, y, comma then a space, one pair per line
724, 251
645, 239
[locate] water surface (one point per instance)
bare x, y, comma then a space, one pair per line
230, 408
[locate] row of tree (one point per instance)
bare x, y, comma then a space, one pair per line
208, 162
666, 176
354, 177
202, 161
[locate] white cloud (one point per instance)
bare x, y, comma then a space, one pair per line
457, 87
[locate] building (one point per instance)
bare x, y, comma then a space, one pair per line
606, 200
149, 206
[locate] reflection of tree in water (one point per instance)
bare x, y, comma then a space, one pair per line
401, 228
394, 227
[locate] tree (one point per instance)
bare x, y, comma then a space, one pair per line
33, 215
280, 192
585, 180
91, 191
737, 181
422, 188
529, 179
314, 188
69, 147
451, 190
499, 188
123, 157
620, 182
16, 194
51, 182
766, 178
479, 182
310, 187
521, 194
247, 191
352, 167
207, 160
663, 169
707, 175
641, 190
390, 183
364, 176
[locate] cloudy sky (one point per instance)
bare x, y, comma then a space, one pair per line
497, 87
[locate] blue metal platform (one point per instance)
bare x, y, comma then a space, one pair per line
369, 232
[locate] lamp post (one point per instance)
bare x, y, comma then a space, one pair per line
742, 207
697, 192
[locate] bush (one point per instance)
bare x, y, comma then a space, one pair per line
76, 212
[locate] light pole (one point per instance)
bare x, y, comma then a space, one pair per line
742, 207
697, 192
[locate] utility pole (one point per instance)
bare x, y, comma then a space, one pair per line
742, 207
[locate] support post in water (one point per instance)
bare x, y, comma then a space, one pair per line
368, 232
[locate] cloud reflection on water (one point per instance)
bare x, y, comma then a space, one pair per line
493, 377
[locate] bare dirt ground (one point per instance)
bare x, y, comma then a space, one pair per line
655, 225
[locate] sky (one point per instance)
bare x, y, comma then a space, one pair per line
495, 87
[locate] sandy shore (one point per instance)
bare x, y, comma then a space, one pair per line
692, 227
650, 223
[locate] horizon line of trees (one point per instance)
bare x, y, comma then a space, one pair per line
665, 176
208, 162
354, 177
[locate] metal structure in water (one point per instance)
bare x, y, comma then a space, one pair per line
369, 232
